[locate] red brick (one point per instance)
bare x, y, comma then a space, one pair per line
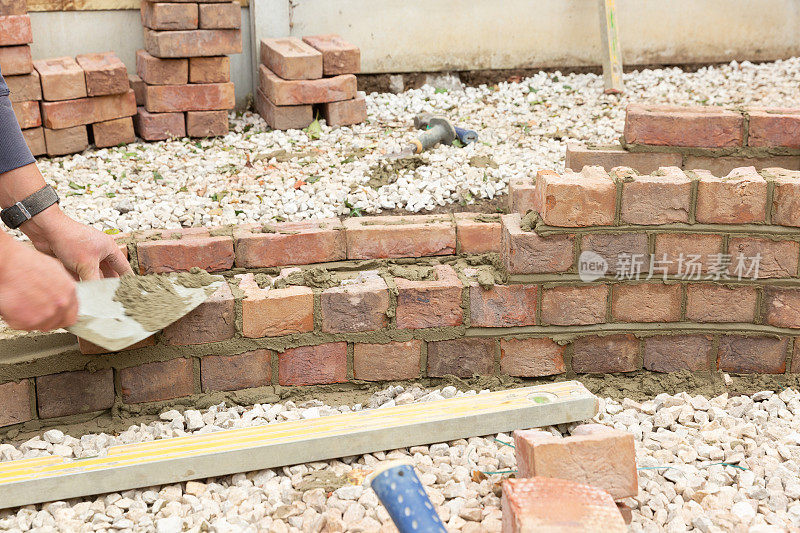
724, 165
275, 312
190, 97
387, 362
177, 255
619, 251
290, 243
193, 43
575, 200
105, 74
172, 16
206, 123
522, 196
338, 56
531, 358
646, 302
502, 306
209, 69
24, 87
673, 353
89, 348
69, 113
113, 132
774, 127
579, 156
312, 365
749, 355
545, 504
291, 59
157, 71
680, 249
235, 372
430, 304
783, 307
661, 198
71, 393
16, 60
283, 117
212, 321
34, 138
738, 198
66, 141
15, 402
477, 233
223, 16
345, 112
795, 368
574, 305
62, 78
355, 307
778, 259
159, 126
465, 357
162, 380
525, 252
298, 92
785, 196
706, 302
13, 7
605, 354
709, 127
28, 114
399, 236
137, 85
15, 30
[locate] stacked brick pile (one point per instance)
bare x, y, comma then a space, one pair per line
184, 74
295, 76
709, 138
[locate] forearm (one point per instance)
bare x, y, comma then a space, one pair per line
18, 184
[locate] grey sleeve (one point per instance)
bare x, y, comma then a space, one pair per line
14, 152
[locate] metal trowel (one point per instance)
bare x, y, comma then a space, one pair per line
103, 321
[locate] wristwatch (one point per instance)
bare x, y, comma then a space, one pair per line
24, 210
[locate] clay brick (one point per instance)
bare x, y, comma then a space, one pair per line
159, 126
179, 255
13, 7
291, 59
209, 69
661, 198
169, 16
312, 365
113, 132
603, 459
223, 16
137, 85
682, 250
749, 355
579, 156
290, 243
465, 357
190, 97
157, 71
477, 233
707, 302
430, 304
722, 166
795, 368
605, 354
387, 362
28, 114
664, 125
574, 305
738, 198
502, 306
298, 92
785, 196
193, 43
105, 74
619, 251
162, 380
16, 60
235, 372
673, 353
575, 200
531, 358
15, 402
15, 30
399, 236
70, 393
66, 141
206, 123
522, 196
355, 307
62, 78
545, 504
89, 348
345, 112
25, 87
338, 56
646, 302
783, 307
34, 138
525, 252
275, 312
778, 259
774, 127
212, 321
69, 113
283, 117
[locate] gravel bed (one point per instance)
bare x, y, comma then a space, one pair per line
718, 464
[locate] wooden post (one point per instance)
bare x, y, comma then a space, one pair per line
612, 58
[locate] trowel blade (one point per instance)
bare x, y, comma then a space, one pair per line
103, 321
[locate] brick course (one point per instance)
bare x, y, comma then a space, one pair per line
290, 243
711, 127
399, 236
181, 255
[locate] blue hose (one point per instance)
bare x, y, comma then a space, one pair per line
404, 497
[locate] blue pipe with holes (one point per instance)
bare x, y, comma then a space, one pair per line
404, 497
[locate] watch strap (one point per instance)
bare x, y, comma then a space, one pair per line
26, 209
